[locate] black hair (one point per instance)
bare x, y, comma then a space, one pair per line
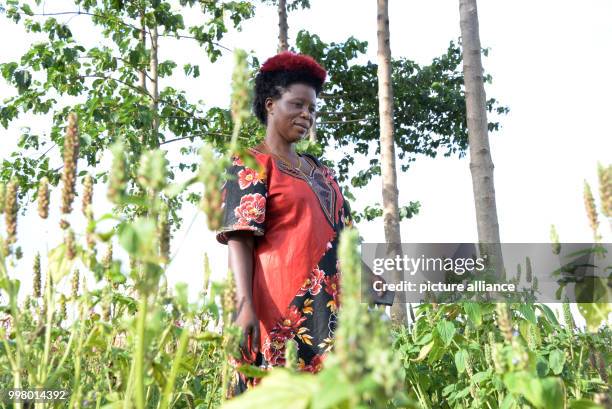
274, 83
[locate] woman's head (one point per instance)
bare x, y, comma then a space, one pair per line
285, 92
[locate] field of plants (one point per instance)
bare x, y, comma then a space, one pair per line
127, 340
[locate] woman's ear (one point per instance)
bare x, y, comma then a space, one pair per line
269, 104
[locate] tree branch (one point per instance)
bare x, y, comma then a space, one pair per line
194, 135
84, 13
343, 122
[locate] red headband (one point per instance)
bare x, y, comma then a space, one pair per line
288, 61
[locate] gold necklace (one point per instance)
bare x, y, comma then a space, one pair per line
284, 159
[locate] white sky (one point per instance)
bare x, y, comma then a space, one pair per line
550, 62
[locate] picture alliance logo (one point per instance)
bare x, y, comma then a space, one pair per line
422, 264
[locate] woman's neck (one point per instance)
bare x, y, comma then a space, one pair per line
280, 147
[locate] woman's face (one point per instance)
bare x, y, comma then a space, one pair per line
291, 116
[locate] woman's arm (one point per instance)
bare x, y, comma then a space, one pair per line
240, 260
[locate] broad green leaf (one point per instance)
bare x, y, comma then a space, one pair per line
542, 393
462, 393
542, 366
461, 358
279, 390
481, 376
594, 314
424, 339
137, 237
528, 311
448, 389
59, 265
446, 331
250, 371
549, 314
584, 404
508, 403
474, 312
424, 351
336, 390
556, 360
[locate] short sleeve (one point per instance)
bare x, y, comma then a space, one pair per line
244, 201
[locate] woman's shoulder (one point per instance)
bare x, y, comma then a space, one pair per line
247, 155
327, 171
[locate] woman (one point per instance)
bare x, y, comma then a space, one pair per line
282, 224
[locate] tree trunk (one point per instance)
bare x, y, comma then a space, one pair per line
481, 164
283, 27
143, 40
154, 86
142, 72
312, 135
387, 150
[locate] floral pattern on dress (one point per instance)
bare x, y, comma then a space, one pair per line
286, 329
332, 287
248, 177
315, 365
236, 161
252, 208
244, 201
312, 284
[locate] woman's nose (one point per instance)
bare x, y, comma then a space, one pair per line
306, 114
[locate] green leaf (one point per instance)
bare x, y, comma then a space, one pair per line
542, 366
556, 360
426, 338
279, 390
23, 80
446, 331
584, 404
448, 389
474, 312
423, 352
337, 389
137, 237
480, 376
59, 265
27, 9
461, 358
528, 312
508, 403
594, 314
549, 314
543, 393
250, 371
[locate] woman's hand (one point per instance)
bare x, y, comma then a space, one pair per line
379, 281
240, 254
247, 321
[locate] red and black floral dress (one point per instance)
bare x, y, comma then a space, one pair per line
296, 217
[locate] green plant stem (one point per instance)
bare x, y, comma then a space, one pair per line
577, 389
60, 364
43, 372
76, 385
16, 367
169, 387
140, 347
127, 399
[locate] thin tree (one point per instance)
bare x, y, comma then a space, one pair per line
283, 26
481, 164
387, 149
283, 41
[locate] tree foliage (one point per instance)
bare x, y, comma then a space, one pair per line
102, 83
